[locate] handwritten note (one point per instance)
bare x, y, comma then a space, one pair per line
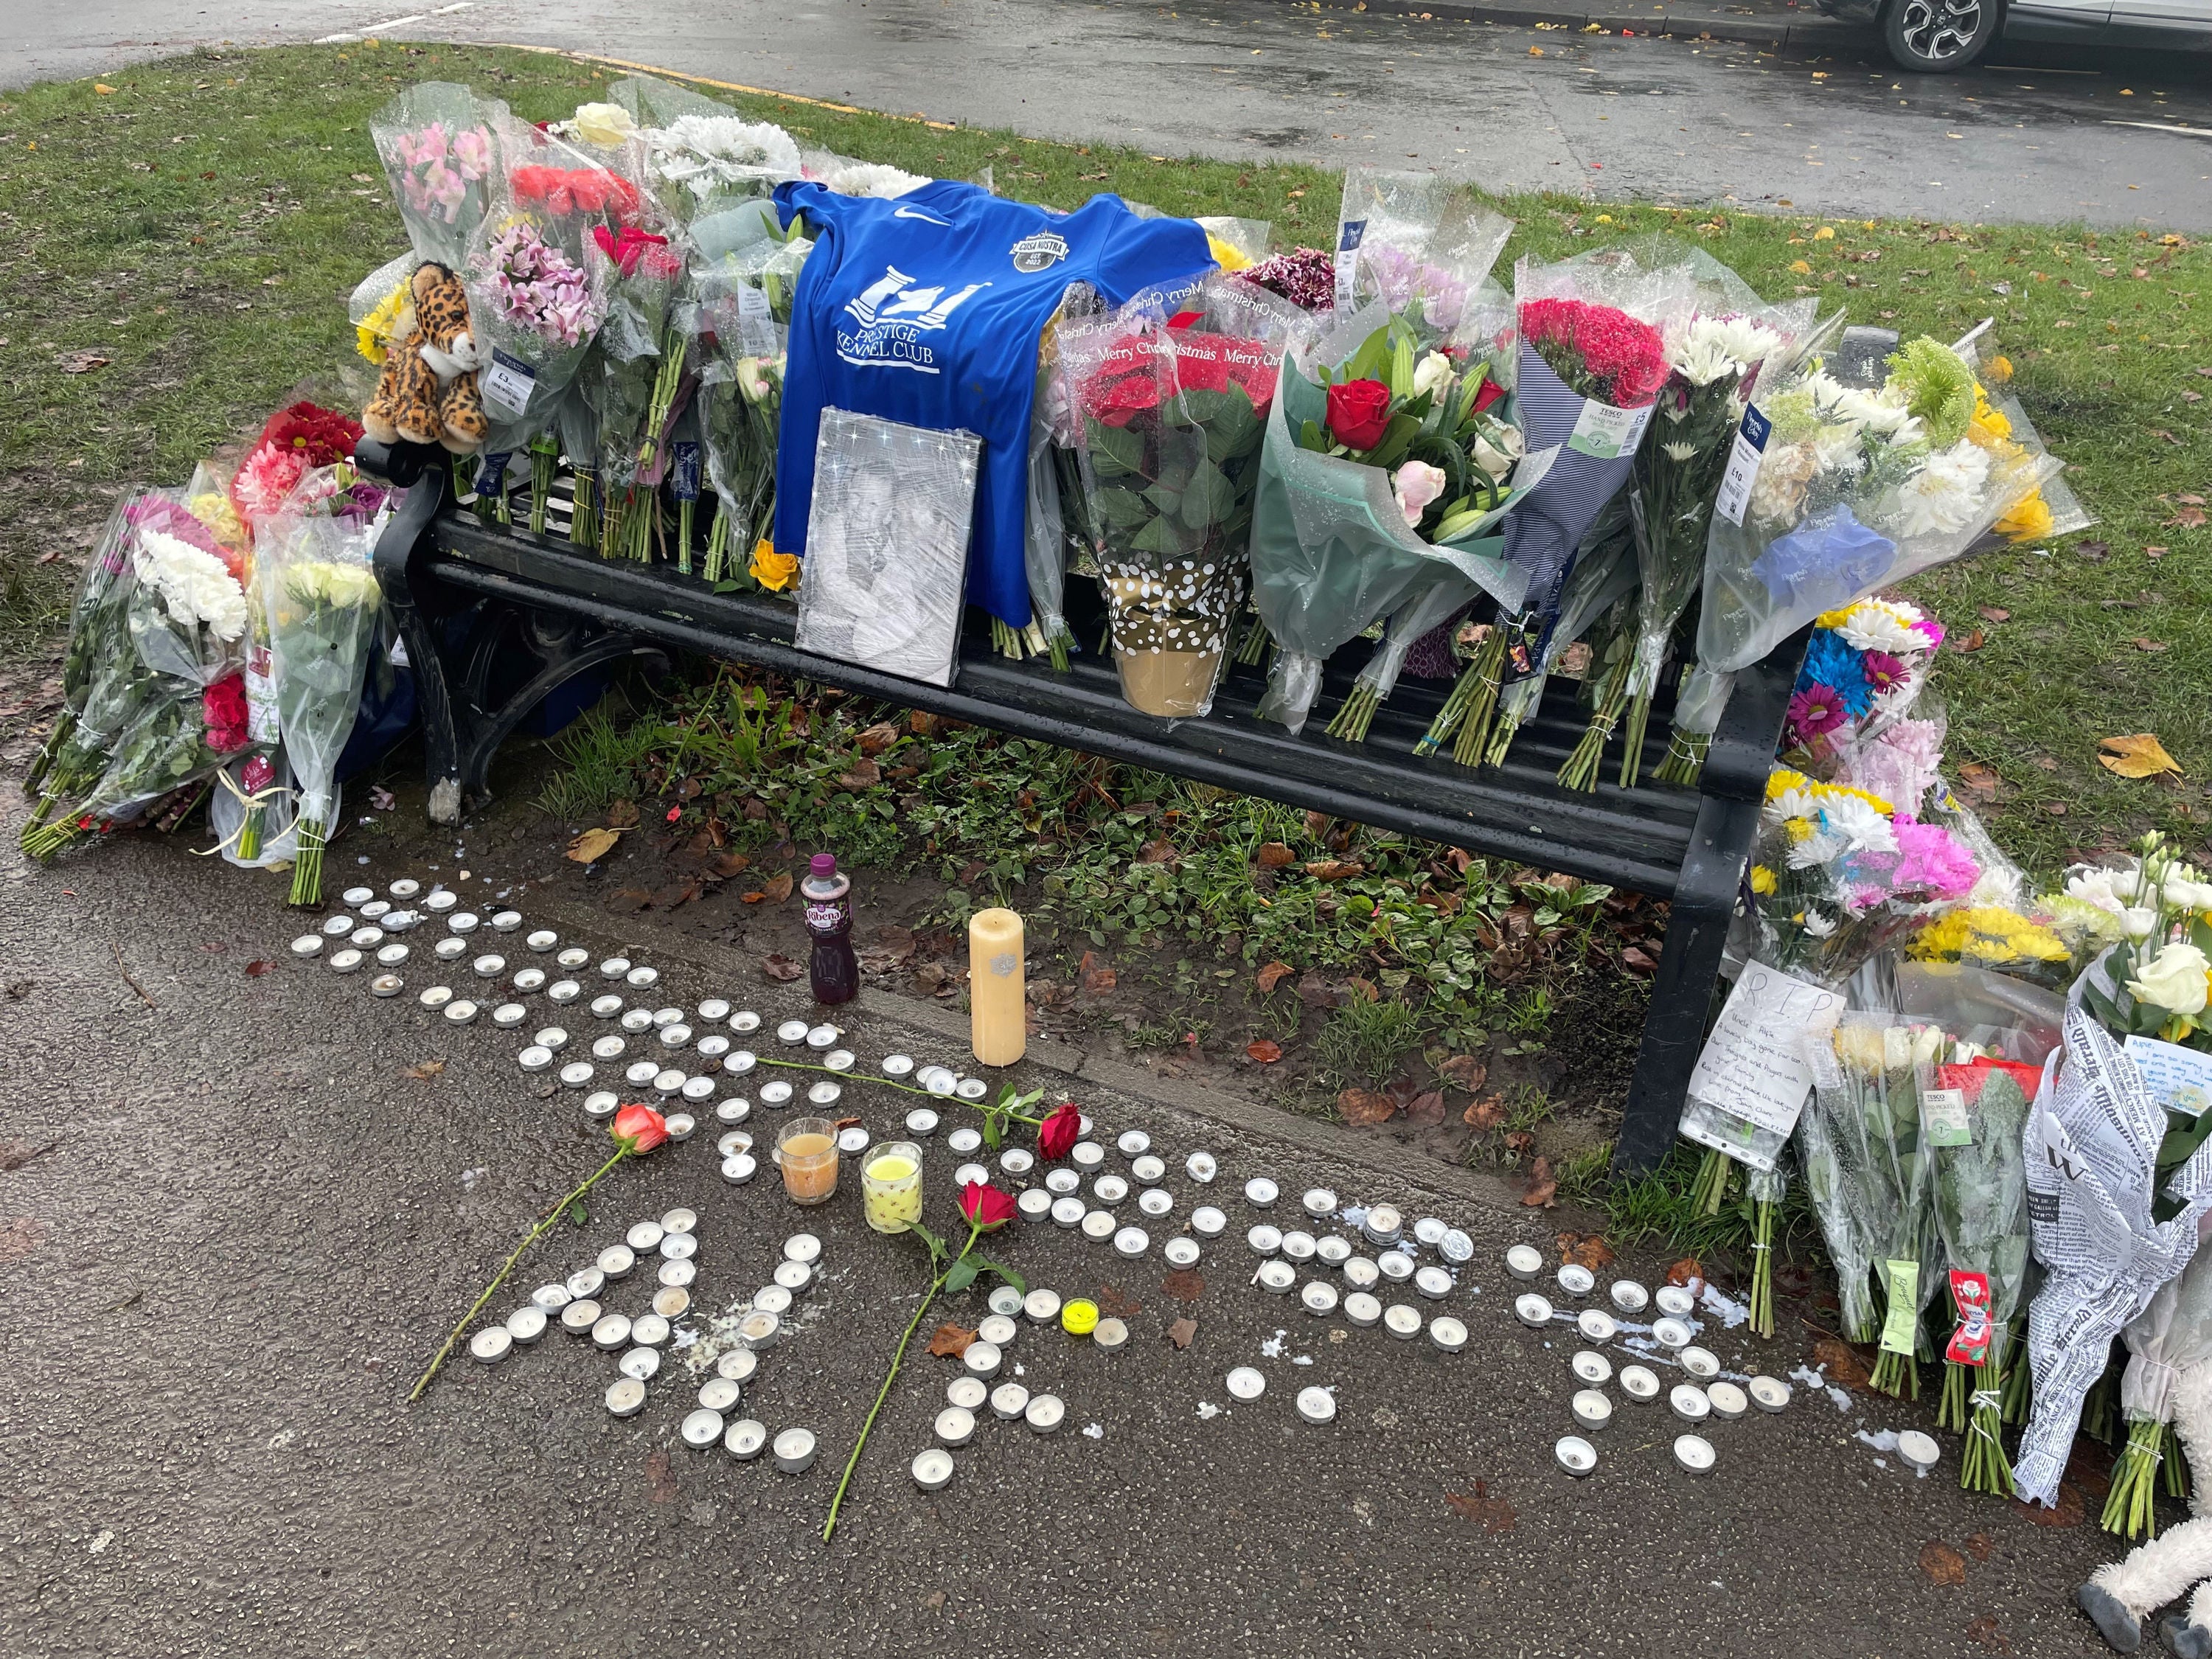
2180, 1080
1753, 1065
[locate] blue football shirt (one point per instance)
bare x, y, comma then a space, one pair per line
928, 310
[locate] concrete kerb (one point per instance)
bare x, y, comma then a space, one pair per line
1777, 34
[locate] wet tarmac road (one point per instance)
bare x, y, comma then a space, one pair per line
2044, 135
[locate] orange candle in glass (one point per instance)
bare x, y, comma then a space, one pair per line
806, 1152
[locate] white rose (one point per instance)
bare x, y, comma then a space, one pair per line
1433, 374
2175, 980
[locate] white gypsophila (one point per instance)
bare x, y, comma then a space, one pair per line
699, 151
1945, 496
875, 179
193, 582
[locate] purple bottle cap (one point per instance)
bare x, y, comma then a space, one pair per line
823, 863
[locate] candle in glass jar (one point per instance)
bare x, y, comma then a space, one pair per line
806, 1151
890, 1187
995, 987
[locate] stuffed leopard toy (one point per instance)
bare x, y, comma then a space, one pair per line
428, 394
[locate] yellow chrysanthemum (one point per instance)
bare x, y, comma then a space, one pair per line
215, 511
1224, 255
2028, 521
1987, 933
1797, 828
1762, 879
773, 570
374, 335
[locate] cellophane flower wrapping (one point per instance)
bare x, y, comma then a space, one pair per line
745, 275
1715, 354
102, 678
1592, 363
1409, 237
1172, 412
439, 145
2156, 980
2170, 1337
1855, 490
1059, 523
1332, 550
1866, 1164
537, 282
700, 156
320, 594
1603, 575
1856, 714
633, 376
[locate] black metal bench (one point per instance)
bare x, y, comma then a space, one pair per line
493, 619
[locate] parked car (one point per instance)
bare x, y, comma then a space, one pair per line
1940, 35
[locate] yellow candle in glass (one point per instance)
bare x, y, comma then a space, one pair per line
997, 1021
891, 1188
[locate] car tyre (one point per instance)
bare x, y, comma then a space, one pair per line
1936, 37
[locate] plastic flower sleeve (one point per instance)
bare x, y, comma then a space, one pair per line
1415, 243
701, 155
437, 141
2168, 1339
322, 601
887, 545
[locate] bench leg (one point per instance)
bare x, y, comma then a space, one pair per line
398, 552
563, 649
1681, 994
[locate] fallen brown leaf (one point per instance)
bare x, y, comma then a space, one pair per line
1467, 1071
1972, 640
2186, 518
754, 898
422, 1070
1160, 850
2142, 755
1841, 1361
1365, 1108
1981, 779
1520, 1142
1981, 1630
1995, 613
950, 1341
1264, 1051
2095, 552
1273, 974
1637, 960
592, 845
14, 1154
259, 966
1273, 855
1118, 1305
1317, 823
1181, 1331
878, 737
1334, 869
1585, 1251
628, 901
1536, 1192
1426, 1109
1096, 980
778, 888
1366, 989
2141, 643
623, 815
81, 362
726, 864
1690, 1273
865, 775
1184, 1284
20, 1238
1980, 1545
661, 1485
781, 968
1485, 1114
1943, 1564
1491, 1514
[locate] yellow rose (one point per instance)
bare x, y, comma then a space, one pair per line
2028, 521
1762, 879
773, 570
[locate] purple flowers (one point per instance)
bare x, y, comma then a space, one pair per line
538, 288
436, 169
1403, 278
1305, 276
1814, 711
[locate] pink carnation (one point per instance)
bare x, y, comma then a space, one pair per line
262, 484
1930, 865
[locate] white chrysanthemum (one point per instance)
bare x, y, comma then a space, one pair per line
1679, 453
2102, 888
1882, 625
875, 179
1777, 492
1709, 349
1818, 926
700, 151
1836, 449
193, 582
1945, 496
1860, 828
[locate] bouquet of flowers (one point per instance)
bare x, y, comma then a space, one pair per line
163, 702
1713, 357
2156, 982
1864, 669
1592, 363
701, 155
294, 441
634, 382
1972, 1115
435, 142
1403, 238
1303, 276
1853, 490
1997, 939
2171, 1336
321, 599
1370, 487
98, 637
1866, 1169
1173, 411
740, 319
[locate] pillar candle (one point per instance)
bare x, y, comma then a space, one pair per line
995, 978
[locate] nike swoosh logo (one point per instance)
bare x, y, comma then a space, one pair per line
915, 213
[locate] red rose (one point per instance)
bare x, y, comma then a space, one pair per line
984, 1208
639, 1128
1359, 413
222, 712
1489, 393
1057, 1134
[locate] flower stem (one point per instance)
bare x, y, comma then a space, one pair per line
904, 1088
492, 1288
1762, 1273
308, 869
2128, 1512
1685, 759
898, 1358
1357, 713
